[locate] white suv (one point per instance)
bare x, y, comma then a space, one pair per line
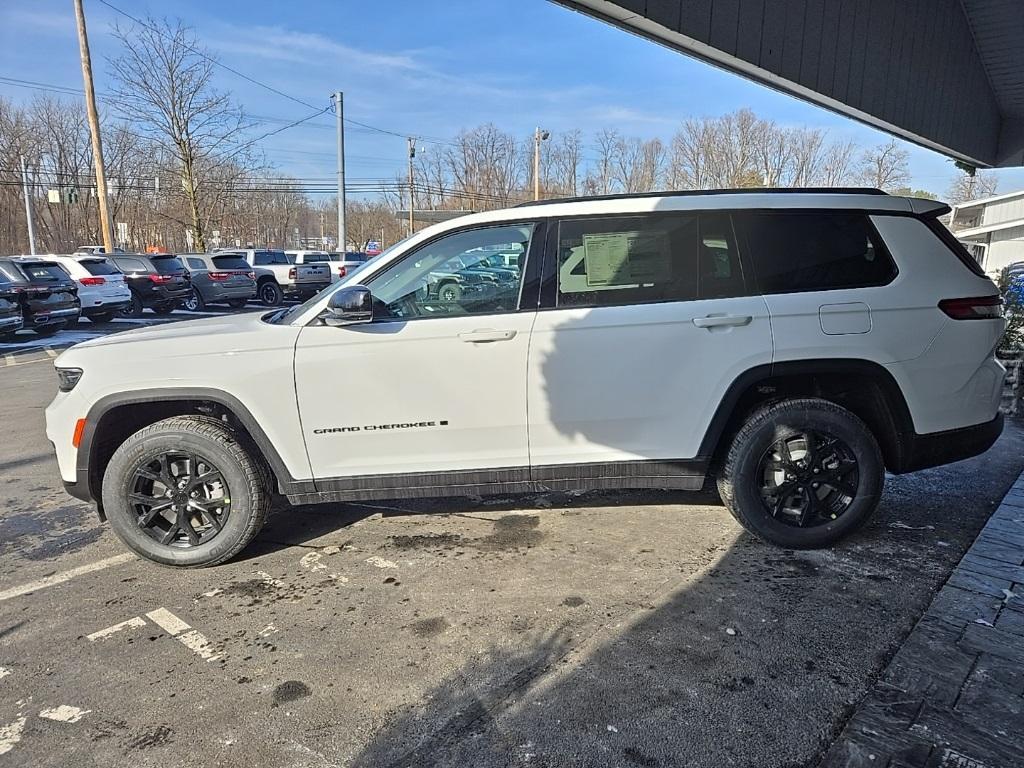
101, 285
794, 344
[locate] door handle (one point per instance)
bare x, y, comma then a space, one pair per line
718, 321
486, 336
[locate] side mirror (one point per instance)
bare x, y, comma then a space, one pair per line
350, 305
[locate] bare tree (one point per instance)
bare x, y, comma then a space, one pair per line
163, 82
972, 187
566, 160
885, 166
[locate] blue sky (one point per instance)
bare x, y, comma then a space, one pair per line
428, 69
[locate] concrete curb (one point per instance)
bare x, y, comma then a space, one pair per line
952, 695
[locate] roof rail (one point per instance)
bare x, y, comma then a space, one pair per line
699, 192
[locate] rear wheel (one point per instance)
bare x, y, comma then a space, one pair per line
194, 302
134, 308
50, 330
186, 491
802, 473
270, 293
449, 292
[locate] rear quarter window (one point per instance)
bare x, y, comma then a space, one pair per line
800, 251
949, 240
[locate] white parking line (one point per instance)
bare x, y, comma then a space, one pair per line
192, 639
135, 621
49, 352
60, 578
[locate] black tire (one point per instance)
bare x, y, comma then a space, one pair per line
246, 479
165, 309
237, 303
50, 330
449, 292
270, 293
194, 303
741, 479
134, 308
100, 317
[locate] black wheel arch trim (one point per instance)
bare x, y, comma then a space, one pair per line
85, 486
896, 404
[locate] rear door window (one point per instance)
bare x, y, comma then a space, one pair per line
617, 260
799, 251
196, 264
167, 265
227, 263
99, 267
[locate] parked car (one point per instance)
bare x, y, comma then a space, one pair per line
157, 280
49, 297
102, 290
10, 308
792, 345
218, 278
281, 278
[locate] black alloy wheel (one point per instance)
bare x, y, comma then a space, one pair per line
180, 499
808, 479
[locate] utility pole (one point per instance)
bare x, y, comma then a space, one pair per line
412, 196
339, 113
538, 137
94, 129
28, 209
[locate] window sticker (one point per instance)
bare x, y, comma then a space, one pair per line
619, 259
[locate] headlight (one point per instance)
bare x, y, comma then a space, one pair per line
68, 378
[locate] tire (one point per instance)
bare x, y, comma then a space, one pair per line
270, 293
750, 460
134, 309
194, 303
165, 309
246, 485
449, 292
237, 303
100, 317
50, 330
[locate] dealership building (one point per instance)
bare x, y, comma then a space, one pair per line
992, 229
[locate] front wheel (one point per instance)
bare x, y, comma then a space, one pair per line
271, 294
449, 292
134, 308
802, 473
194, 302
186, 492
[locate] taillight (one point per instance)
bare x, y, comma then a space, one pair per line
292, 273
219, 275
251, 275
975, 308
160, 278
92, 281
342, 271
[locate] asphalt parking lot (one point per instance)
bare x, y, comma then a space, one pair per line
640, 629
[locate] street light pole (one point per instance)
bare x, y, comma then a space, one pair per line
339, 109
28, 209
94, 130
412, 196
538, 137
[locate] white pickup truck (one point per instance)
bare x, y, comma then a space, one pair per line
277, 277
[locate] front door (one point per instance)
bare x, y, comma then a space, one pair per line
437, 381
646, 321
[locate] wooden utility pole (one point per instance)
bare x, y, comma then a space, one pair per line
94, 129
339, 110
412, 196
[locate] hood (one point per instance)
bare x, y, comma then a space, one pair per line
209, 329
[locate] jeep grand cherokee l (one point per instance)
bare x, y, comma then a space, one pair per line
794, 345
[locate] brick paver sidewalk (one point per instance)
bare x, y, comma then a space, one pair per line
953, 696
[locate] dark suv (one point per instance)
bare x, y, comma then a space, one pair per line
48, 295
218, 278
157, 280
10, 308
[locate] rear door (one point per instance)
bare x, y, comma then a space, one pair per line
646, 321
